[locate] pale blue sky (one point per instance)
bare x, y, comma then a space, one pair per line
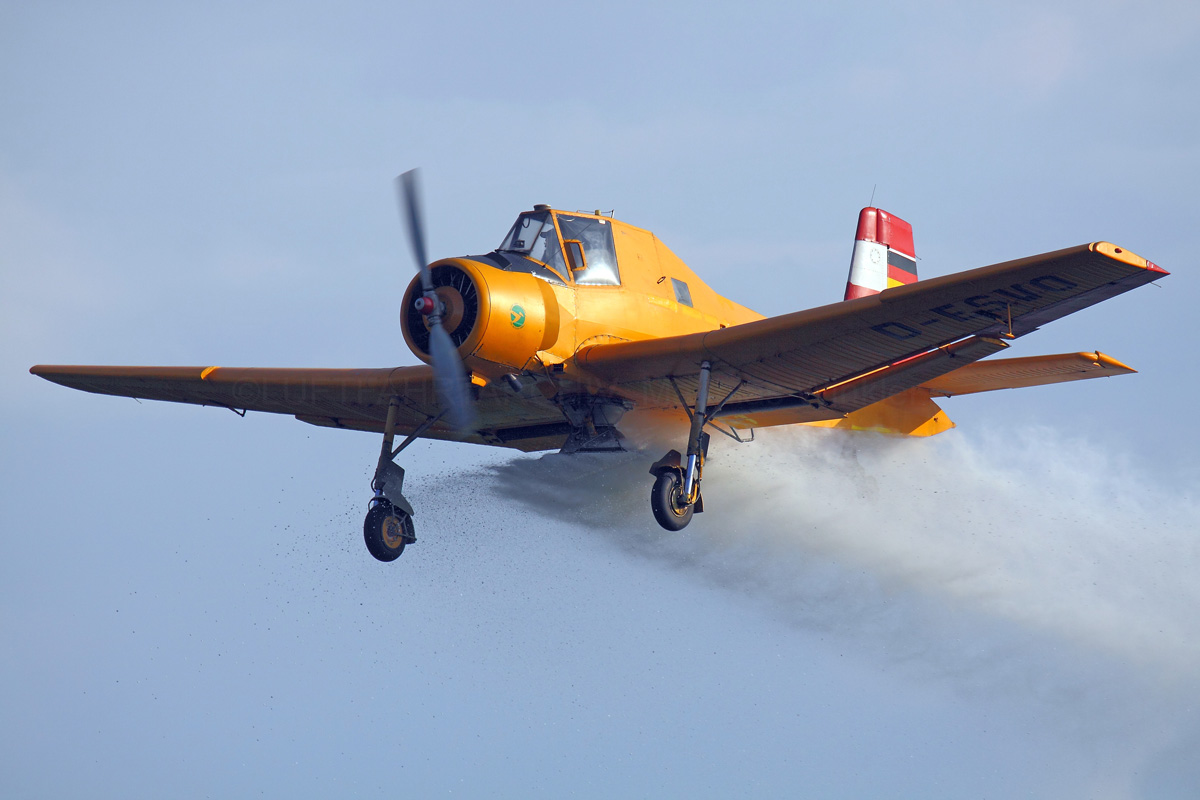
189, 608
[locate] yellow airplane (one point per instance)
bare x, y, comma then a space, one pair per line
577, 320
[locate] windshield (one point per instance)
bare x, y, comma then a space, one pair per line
533, 235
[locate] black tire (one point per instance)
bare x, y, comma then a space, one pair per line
385, 530
666, 500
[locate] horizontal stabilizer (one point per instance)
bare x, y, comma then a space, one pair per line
1016, 373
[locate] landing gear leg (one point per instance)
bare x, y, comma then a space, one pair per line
676, 493
389, 526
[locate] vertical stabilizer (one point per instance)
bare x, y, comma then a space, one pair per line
883, 254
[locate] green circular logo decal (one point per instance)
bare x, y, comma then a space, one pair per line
517, 316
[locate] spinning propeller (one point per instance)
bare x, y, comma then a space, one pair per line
449, 376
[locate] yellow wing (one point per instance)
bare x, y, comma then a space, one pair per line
828, 362
341, 398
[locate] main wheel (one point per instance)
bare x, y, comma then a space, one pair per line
386, 530
668, 503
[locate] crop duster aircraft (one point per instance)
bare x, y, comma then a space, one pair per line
577, 320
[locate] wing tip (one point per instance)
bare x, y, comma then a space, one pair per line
1126, 256
1108, 362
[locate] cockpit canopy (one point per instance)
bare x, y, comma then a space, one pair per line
573, 247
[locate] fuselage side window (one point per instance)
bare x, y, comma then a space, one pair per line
595, 238
683, 295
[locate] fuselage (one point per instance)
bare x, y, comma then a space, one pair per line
559, 282
563, 281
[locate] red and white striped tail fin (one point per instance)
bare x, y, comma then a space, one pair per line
883, 254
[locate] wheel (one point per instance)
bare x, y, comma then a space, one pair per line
666, 500
386, 530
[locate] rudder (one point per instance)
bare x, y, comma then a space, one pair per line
883, 254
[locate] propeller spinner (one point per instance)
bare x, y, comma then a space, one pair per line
450, 378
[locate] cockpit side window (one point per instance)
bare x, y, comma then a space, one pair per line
599, 255
533, 236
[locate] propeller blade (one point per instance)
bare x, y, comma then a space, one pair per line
409, 192
450, 379
449, 376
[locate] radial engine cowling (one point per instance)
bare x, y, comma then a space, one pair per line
497, 319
